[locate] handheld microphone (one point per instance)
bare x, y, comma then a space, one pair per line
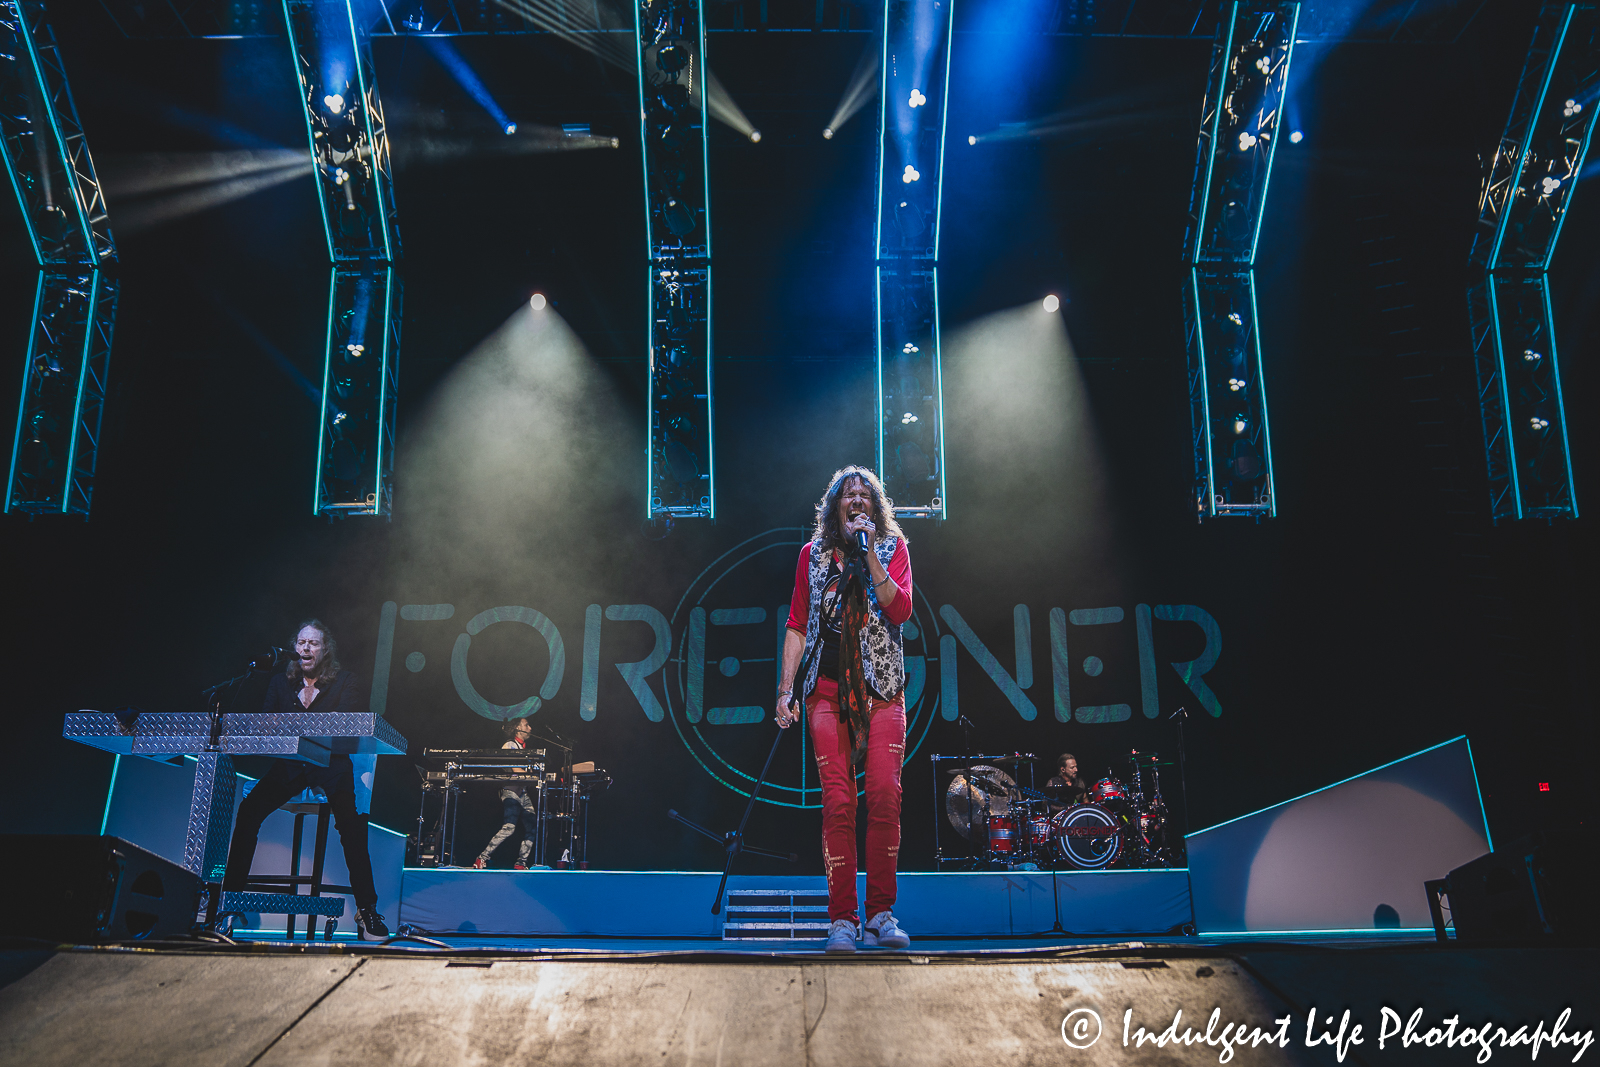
863, 542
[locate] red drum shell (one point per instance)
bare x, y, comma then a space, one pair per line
1002, 833
1108, 789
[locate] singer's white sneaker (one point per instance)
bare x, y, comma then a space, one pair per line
842, 936
883, 932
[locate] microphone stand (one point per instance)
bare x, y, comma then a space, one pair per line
733, 843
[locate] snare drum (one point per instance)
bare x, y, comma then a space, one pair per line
1002, 833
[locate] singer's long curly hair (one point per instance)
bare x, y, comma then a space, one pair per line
329, 669
830, 532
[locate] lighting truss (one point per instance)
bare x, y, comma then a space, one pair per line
912, 99
1525, 199
680, 459
1239, 132
355, 190
56, 442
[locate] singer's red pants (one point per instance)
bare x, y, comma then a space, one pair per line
886, 747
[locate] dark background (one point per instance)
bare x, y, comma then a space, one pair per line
1379, 614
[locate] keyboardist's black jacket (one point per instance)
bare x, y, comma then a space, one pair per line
345, 694
283, 696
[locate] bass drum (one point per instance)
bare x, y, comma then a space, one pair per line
1090, 836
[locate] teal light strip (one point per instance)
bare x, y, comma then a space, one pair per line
1522, 156
316, 168
1211, 151
27, 218
1479, 789
327, 368
938, 393
1572, 189
1369, 931
649, 280
1561, 407
938, 205
1261, 390
47, 106
1205, 392
1353, 777
877, 332
705, 174
383, 389
883, 132
1272, 151
77, 400
372, 142
1505, 398
111, 789
22, 400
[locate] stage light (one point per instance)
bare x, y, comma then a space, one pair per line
910, 348
1052, 303
355, 350
335, 102
1539, 424
907, 419
1240, 424
1571, 108
755, 136
340, 417
910, 175
1247, 141
511, 128
1296, 137
971, 139
537, 301
827, 133
1233, 317
1235, 384
917, 99
1550, 185
1530, 356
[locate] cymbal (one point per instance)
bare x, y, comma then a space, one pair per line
1015, 757
969, 802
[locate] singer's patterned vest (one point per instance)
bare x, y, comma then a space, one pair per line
882, 648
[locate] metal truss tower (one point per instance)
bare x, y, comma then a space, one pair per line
1239, 132
680, 460
57, 438
912, 99
1525, 198
350, 147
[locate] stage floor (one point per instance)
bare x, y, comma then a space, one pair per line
677, 1002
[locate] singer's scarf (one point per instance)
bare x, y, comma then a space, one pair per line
854, 701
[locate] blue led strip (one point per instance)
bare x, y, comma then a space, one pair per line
27, 374
1261, 390
326, 397
1272, 145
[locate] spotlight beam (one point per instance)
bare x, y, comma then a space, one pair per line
863, 86
452, 61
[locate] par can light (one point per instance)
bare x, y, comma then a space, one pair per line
537, 301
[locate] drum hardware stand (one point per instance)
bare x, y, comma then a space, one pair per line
1180, 716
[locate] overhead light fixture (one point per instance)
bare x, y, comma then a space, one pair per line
910, 174
1550, 185
1052, 303
1247, 141
1235, 384
1570, 108
971, 139
1240, 424
335, 102
511, 128
907, 419
1531, 356
1296, 137
755, 136
1539, 424
537, 301
917, 99
827, 133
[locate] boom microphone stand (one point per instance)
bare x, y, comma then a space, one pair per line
854, 571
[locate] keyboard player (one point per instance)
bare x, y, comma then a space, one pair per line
313, 681
516, 807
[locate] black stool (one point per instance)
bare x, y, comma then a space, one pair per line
295, 879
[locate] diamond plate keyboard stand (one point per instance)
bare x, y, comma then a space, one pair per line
313, 737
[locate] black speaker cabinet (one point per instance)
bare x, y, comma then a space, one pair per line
83, 888
1503, 895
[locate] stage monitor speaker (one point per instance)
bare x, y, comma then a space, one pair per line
84, 888
1502, 895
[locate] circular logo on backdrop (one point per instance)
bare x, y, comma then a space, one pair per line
722, 681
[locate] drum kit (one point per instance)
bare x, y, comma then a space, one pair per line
1117, 823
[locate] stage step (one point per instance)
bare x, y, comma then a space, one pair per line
775, 914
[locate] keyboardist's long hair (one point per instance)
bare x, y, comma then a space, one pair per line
329, 670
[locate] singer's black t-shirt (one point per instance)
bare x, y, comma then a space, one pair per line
828, 624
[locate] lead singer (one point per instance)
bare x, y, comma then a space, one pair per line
856, 685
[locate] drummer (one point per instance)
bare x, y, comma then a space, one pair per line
1067, 787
